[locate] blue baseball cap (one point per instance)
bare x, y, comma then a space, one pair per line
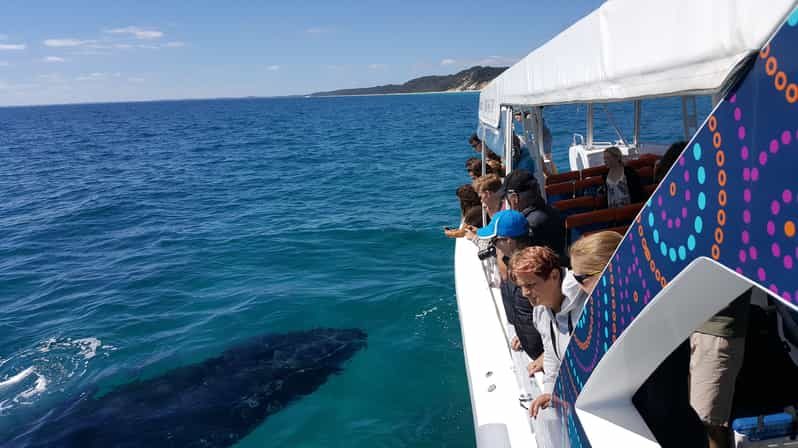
506, 223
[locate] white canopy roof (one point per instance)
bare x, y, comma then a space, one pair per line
632, 49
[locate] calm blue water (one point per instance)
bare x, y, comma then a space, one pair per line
140, 237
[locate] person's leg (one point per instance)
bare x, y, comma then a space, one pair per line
714, 365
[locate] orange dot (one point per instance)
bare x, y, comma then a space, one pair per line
716, 139
719, 235
715, 251
789, 229
791, 93
722, 177
722, 198
722, 217
713, 123
763, 53
614, 316
673, 188
771, 66
663, 282
635, 297
780, 81
720, 158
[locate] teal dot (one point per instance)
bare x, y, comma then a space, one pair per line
672, 254
605, 298
604, 283
702, 175
682, 253
650, 219
793, 19
691, 242
697, 151
606, 317
663, 248
605, 344
702, 200
656, 236
698, 224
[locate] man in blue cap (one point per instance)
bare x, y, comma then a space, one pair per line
509, 232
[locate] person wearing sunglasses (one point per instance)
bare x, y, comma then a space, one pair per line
478, 145
590, 255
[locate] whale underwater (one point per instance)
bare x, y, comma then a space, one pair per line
213, 403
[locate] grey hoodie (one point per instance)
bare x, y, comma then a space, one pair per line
559, 327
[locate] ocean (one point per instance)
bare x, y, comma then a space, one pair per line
139, 237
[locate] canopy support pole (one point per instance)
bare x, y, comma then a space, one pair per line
508, 140
638, 108
589, 142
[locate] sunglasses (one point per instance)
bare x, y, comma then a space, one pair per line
580, 278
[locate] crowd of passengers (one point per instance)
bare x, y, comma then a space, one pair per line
545, 284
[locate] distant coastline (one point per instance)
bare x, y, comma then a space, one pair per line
469, 80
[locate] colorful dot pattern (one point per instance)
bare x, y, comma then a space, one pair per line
731, 196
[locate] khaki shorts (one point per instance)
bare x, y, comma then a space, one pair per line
714, 365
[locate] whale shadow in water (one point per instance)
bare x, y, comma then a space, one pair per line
210, 404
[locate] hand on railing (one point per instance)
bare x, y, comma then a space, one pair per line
516, 344
535, 366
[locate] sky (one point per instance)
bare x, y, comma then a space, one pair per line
54, 52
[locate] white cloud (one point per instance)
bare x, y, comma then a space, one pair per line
318, 30
12, 47
273, 68
67, 42
53, 59
97, 76
496, 61
52, 78
448, 61
137, 32
377, 66
175, 44
135, 79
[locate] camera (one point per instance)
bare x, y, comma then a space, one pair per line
486, 249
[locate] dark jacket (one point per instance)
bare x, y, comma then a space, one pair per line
546, 227
519, 314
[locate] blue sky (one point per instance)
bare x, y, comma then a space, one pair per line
66, 52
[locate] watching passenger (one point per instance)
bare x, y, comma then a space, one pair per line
472, 220
478, 146
486, 187
538, 273
622, 182
662, 166
546, 226
468, 198
509, 232
496, 167
558, 302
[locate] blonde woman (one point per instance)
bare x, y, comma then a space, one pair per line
621, 182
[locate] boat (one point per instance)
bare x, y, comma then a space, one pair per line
722, 221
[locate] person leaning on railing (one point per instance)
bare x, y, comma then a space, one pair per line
478, 146
521, 192
559, 296
508, 231
486, 187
